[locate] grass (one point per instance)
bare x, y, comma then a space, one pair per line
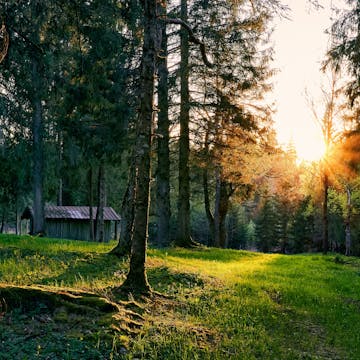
222, 304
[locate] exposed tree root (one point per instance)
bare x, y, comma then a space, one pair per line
71, 307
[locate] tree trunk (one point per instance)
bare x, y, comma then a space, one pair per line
221, 209
91, 204
183, 237
59, 165
38, 151
209, 215
17, 215
285, 236
325, 220
217, 210
348, 223
163, 152
3, 222
100, 225
123, 247
136, 280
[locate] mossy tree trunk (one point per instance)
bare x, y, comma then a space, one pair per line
136, 280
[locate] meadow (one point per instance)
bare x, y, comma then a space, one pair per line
60, 299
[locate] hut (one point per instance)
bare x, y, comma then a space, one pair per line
72, 222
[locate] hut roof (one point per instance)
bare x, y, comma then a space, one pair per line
71, 212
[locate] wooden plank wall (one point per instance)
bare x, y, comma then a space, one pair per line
75, 229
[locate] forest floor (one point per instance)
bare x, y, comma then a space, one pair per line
58, 300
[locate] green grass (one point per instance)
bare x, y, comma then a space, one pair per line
222, 304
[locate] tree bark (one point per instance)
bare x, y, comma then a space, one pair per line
3, 222
123, 248
136, 280
209, 215
183, 237
325, 219
100, 225
221, 209
38, 151
208, 212
163, 152
348, 223
285, 236
59, 165
17, 215
91, 204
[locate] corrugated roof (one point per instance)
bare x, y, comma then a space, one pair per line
73, 212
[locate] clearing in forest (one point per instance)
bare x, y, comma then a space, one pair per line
58, 301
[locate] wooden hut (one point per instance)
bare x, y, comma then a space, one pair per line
73, 222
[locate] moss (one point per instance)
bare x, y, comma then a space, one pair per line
71, 308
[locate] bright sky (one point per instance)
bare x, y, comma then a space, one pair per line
300, 45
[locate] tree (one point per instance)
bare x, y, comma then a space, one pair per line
345, 47
163, 208
287, 190
267, 226
38, 151
100, 225
183, 237
350, 156
95, 70
327, 123
228, 99
136, 279
338, 165
29, 67
123, 247
348, 222
302, 227
83, 65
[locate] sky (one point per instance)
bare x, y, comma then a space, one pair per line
300, 44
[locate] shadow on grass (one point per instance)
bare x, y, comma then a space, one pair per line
13, 251
165, 280
87, 268
206, 254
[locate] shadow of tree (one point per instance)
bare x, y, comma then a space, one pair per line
207, 254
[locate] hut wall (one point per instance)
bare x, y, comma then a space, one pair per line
68, 229
74, 229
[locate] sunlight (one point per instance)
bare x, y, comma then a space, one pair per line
310, 148
299, 62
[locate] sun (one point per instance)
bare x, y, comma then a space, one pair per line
310, 148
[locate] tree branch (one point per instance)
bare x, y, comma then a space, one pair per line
4, 44
27, 40
192, 38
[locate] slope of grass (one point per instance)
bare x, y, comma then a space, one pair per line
222, 304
